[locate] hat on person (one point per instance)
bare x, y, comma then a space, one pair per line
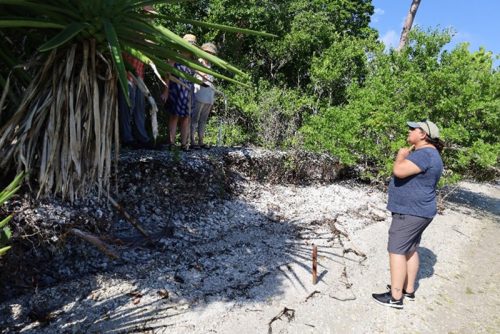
190, 38
209, 47
429, 128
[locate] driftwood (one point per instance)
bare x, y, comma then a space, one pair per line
128, 217
103, 247
288, 312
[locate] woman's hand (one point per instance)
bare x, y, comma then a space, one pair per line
164, 96
403, 167
403, 153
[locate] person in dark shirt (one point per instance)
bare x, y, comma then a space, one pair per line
132, 118
412, 202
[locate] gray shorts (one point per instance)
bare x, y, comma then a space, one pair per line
405, 233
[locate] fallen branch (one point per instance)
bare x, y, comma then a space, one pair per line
288, 312
357, 252
312, 295
94, 241
343, 299
128, 217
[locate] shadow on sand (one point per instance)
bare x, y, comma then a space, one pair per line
475, 200
427, 261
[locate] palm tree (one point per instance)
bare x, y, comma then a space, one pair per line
63, 121
408, 24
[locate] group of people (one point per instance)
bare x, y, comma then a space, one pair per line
188, 104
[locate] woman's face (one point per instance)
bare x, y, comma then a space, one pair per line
186, 54
415, 135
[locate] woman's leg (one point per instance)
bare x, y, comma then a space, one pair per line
398, 274
194, 121
412, 264
204, 112
185, 124
172, 128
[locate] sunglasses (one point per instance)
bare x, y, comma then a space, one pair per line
426, 124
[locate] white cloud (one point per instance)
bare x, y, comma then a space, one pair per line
376, 14
390, 39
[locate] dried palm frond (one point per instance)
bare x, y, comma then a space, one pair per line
66, 124
66, 127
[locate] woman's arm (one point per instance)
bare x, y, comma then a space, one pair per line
404, 167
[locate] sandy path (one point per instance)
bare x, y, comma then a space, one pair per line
458, 285
271, 231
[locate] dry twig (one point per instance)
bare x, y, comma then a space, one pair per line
288, 312
312, 295
128, 217
94, 241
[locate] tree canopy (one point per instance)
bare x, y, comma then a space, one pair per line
327, 84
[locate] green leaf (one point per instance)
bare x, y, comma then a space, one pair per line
5, 221
196, 51
11, 189
5, 195
4, 250
116, 52
15, 183
41, 8
64, 36
22, 23
144, 54
7, 232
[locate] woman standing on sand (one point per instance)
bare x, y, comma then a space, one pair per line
204, 96
178, 97
412, 201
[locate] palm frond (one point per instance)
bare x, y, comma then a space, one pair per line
64, 36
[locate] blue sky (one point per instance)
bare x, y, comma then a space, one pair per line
476, 22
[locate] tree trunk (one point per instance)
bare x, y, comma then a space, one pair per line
408, 23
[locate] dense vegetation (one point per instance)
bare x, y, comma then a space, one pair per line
326, 84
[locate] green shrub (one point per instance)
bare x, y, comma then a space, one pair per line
456, 89
5, 194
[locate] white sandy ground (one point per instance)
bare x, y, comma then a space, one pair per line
458, 286
458, 289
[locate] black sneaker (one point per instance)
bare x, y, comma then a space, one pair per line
387, 300
409, 296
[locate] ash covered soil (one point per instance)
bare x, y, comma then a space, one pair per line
230, 237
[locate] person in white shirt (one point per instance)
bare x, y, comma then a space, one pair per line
205, 97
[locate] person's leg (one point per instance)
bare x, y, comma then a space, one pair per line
124, 119
139, 115
172, 128
204, 112
398, 274
412, 264
194, 121
185, 122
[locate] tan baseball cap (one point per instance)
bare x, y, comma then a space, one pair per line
190, 38
429, 128
209, 47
